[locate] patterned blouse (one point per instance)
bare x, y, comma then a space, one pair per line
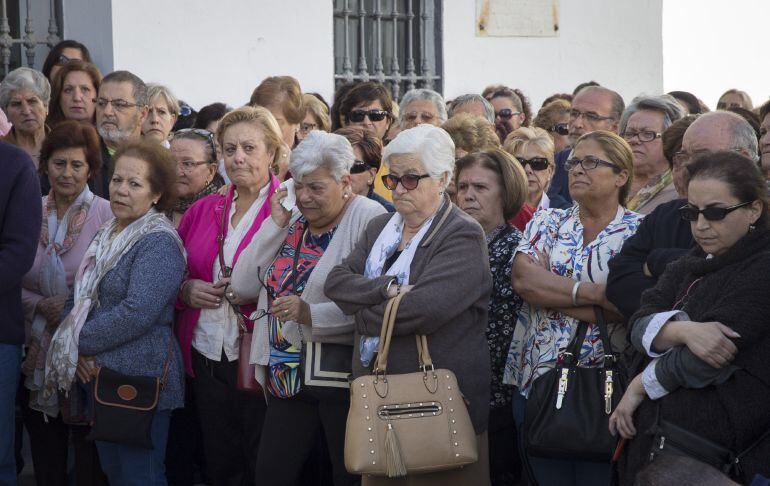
504, 305
541, 334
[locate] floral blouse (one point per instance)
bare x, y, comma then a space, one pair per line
541, 334
504, 305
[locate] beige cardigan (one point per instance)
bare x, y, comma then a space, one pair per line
330, 324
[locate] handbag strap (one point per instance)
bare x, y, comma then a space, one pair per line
604, 335
386, 333
422, 351
572, 351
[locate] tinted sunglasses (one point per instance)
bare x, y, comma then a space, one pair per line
507, 113
561, 128
712, 213
537, 163
357, 116
408, 181
359, 166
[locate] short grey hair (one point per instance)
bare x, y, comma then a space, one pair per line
432, 145
24, 78
489, 111
154, 90
665, 104
423, 94
139, 88
321, 149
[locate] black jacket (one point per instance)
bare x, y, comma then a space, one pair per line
559, 188
100, 183
662, 237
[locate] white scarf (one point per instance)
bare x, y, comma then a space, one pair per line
387, 244
103, 254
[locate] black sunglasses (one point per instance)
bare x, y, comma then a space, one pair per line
359, 167
507, 113
357, 116
560, 129
537, 163
711, 213
408, 181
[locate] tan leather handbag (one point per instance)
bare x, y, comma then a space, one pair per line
408, 423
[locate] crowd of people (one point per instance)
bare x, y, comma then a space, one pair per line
247, 258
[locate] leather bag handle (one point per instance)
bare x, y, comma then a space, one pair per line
386, 333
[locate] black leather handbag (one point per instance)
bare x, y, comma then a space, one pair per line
568, 409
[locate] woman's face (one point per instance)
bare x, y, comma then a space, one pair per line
480, 194
27, 112
320, 198
537, 180
420, 199
77, 98
68, 172
159, 121
560, 142
600, 185
764, 144
362, 181
194, 170
379, 127
131, 195
247, 158
716, 237
420, 111
308, 125
288, 130
69, 53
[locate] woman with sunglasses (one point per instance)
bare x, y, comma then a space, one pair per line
285, 269
553, 117
702, 328
436, 254
215, 230
370, 106
533, 148
367, 148
560, 270
62, 53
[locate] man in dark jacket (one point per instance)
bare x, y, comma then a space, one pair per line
20, 218
663, 236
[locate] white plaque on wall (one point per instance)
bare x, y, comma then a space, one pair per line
517, 18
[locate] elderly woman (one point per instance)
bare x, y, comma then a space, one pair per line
421, 106
196, 161
368, 105
642, 126
316, 116
286, 268
367, 148
533, 149
74, 91
71, 217
554, 119
61, 54
436, 254
560, 270
215, 230
473, 104
24, 97
123, 305
491, 187
702, 326
162, 112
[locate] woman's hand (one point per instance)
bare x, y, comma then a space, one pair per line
86, 368
542, 259
394, 289
51, 308
709, 341
622, 419
280, 215
292, 308
202, 295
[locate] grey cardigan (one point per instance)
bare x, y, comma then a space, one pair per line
452, 284
129, 330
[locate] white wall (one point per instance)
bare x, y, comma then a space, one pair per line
617, 43
709, 48
208, 51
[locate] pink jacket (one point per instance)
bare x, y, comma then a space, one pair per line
199, 229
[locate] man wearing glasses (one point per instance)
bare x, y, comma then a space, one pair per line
121, 107
593, 108
663, 236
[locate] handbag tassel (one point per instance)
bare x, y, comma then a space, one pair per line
395, 466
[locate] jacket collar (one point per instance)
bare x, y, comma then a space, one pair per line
441, 216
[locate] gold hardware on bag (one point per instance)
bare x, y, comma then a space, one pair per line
608, 392
562, 387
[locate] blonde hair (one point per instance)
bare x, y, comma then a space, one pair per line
259, 117
618, 152
523, 137
319, 111
471, 133
283, 91
155, 90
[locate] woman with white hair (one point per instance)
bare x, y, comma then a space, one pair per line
285, 269
436, 254
421, 106
162, 114
24, 97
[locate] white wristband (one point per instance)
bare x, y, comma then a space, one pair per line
574, 293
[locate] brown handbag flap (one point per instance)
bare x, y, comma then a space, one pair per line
133, 392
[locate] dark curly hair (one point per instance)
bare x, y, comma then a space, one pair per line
162, 173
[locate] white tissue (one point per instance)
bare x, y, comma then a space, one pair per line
291, 198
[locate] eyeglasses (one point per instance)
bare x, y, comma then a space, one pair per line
190, 165
560, 129
357, 116
203, 134
119, 105
588, 163
306, 128
711, 213
537, 163
683, 158
507, 114
424, 116
408, 181
590, 116
643, 135
359, 166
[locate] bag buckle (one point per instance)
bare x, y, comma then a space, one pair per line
563, 380
425, 379
377, 380
567, 358
608, 387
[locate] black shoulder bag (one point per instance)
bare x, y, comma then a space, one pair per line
568, 410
